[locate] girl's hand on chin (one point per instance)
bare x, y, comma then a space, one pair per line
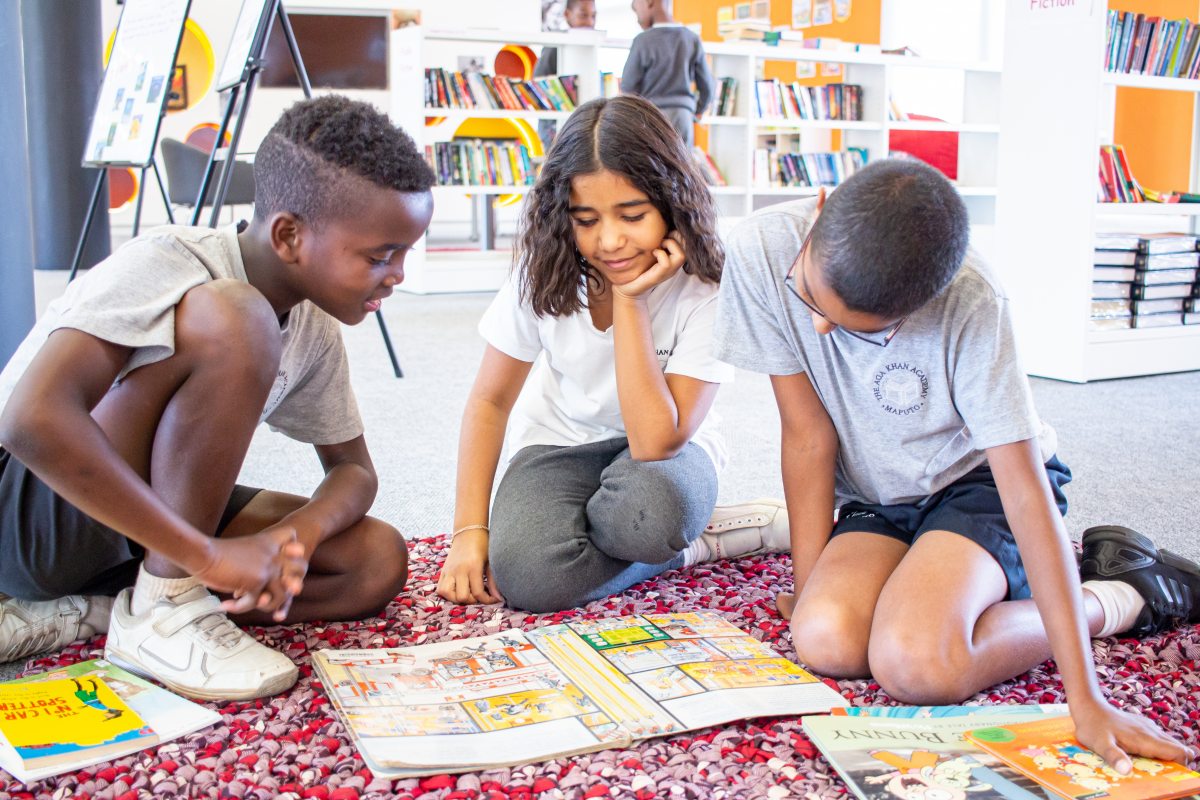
668, 260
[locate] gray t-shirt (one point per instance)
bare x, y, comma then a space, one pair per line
912, 417
129, 299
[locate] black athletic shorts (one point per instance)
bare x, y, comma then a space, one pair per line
50, 549
969, 507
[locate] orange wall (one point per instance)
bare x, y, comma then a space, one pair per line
1155, 126
862, 26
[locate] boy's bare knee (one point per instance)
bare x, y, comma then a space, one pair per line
919, 669
229, 320
829, 642
384, 566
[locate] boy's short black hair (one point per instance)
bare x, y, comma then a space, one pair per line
891, 237
315, 154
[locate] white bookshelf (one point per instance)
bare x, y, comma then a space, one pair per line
732, 139
1059, 104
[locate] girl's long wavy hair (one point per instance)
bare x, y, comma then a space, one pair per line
629, 136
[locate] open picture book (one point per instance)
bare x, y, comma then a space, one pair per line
518, 697
84, 714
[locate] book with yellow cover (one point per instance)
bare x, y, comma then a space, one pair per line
84, 714
1046, 750
52, 722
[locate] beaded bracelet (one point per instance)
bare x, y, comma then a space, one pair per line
466, 528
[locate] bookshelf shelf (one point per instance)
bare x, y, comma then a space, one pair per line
816, 124
491, 113
736, 120
1149, 209
952, 127
1184, 333
481, 189
787, 191
1151, 82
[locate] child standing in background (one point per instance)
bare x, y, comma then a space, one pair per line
614, 454
664, 61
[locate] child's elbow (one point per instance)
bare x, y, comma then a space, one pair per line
663, 450
16, 425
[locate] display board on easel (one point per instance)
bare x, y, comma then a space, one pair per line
253, 24
137, 84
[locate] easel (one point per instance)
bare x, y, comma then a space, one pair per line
104, 113
240, 92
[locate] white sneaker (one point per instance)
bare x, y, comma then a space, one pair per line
747, 529
32, 626
190, 645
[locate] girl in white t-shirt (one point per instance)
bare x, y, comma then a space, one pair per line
614, 451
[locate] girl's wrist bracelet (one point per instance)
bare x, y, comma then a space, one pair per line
466, 528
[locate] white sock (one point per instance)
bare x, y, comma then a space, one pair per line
696, 553
1120, 603
149, 589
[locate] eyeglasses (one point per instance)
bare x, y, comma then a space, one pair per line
879, 338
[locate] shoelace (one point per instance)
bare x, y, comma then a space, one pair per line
220, 630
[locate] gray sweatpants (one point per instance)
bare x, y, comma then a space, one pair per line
682, 120
573, 524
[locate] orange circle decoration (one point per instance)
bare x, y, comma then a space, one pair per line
122, 187
204, 136
515, 61
196, 60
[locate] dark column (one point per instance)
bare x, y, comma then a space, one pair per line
16, 218
64, 64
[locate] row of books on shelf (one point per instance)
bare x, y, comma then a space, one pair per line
836, 101
772, 168
480, 162
1145, 281
1150, 45
471, 90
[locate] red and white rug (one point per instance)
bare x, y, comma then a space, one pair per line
293, 746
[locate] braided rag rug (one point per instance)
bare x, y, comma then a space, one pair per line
293, 746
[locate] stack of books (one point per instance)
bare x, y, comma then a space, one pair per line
776, 100
1149, 45
471, 90
1145, 281
479, 162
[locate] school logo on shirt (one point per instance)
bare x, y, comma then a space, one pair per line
278, 392
901, 388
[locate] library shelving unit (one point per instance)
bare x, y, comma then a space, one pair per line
1058, 109
733, 139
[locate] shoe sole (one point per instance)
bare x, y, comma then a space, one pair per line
277, 686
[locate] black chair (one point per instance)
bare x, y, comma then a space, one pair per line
185, 164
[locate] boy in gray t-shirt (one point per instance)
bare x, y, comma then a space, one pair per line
127, 412
892, 357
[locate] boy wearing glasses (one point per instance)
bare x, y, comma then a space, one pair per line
893, 361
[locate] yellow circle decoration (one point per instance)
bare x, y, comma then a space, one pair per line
198, 62
502, 128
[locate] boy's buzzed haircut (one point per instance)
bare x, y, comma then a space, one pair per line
308, 162
891, 237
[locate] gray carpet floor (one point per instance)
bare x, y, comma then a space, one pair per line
1132, 444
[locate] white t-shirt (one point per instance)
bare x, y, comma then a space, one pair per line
129, 299
571, 395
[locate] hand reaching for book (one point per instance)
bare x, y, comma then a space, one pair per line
467, 576
1115, 735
